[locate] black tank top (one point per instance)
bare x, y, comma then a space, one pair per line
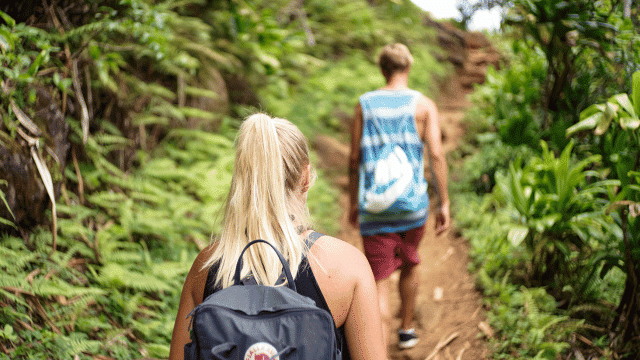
306, 285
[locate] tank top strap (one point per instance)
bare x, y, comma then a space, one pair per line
311, 239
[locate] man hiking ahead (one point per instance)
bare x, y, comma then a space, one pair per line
388, 190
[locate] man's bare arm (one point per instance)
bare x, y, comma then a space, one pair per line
427, 112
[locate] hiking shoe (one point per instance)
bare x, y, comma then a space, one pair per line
407, 339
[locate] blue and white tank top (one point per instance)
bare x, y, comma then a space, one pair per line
392, 191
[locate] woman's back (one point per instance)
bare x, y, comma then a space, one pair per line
267, 200
345, 281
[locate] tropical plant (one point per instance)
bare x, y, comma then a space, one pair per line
510, 98
149, 94
615, 125
557, 213
569, 32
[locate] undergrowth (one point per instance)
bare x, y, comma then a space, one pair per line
150, 160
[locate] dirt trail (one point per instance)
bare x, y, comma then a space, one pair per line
447, 303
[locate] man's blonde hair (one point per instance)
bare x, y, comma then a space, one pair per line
265, 201
393, 58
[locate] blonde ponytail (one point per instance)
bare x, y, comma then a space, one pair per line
265, 201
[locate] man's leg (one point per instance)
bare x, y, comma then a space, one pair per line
408, 287
409, 275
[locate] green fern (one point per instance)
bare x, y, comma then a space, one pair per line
158, 350
116, 276
77, 343
56, 287
7, 280
92, 324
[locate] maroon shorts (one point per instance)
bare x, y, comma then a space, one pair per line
387, 252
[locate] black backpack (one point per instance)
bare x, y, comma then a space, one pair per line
257, 322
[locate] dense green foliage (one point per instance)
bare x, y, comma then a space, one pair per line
160, 89
550, 204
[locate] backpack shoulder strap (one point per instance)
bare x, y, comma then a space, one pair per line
310, 240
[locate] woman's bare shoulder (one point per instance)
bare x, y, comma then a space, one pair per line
338, 256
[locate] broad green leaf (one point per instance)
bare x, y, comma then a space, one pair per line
516, 191
517, 234
8, 19
7, 222
635, 92
6, 40
625, 102
628, 123
603, 126
588, 123
546, 222
593, 109
36, 63
611, 110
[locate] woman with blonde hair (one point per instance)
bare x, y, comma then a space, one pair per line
267, 200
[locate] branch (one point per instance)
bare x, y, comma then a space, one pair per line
441, 345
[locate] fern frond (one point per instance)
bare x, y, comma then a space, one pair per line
91, 29
158, 350
77, 343
77, 211
149, 119
11, 311
600, 309
55, 286
7, 280
90, 324
124, 257
166, 109
73, 227
116, 276
227, 60
532, 310
19, 260
149, 198
549, 321
170, 270
104, 164
198, 113
151, 88
110, 140
107, 199
196, 91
